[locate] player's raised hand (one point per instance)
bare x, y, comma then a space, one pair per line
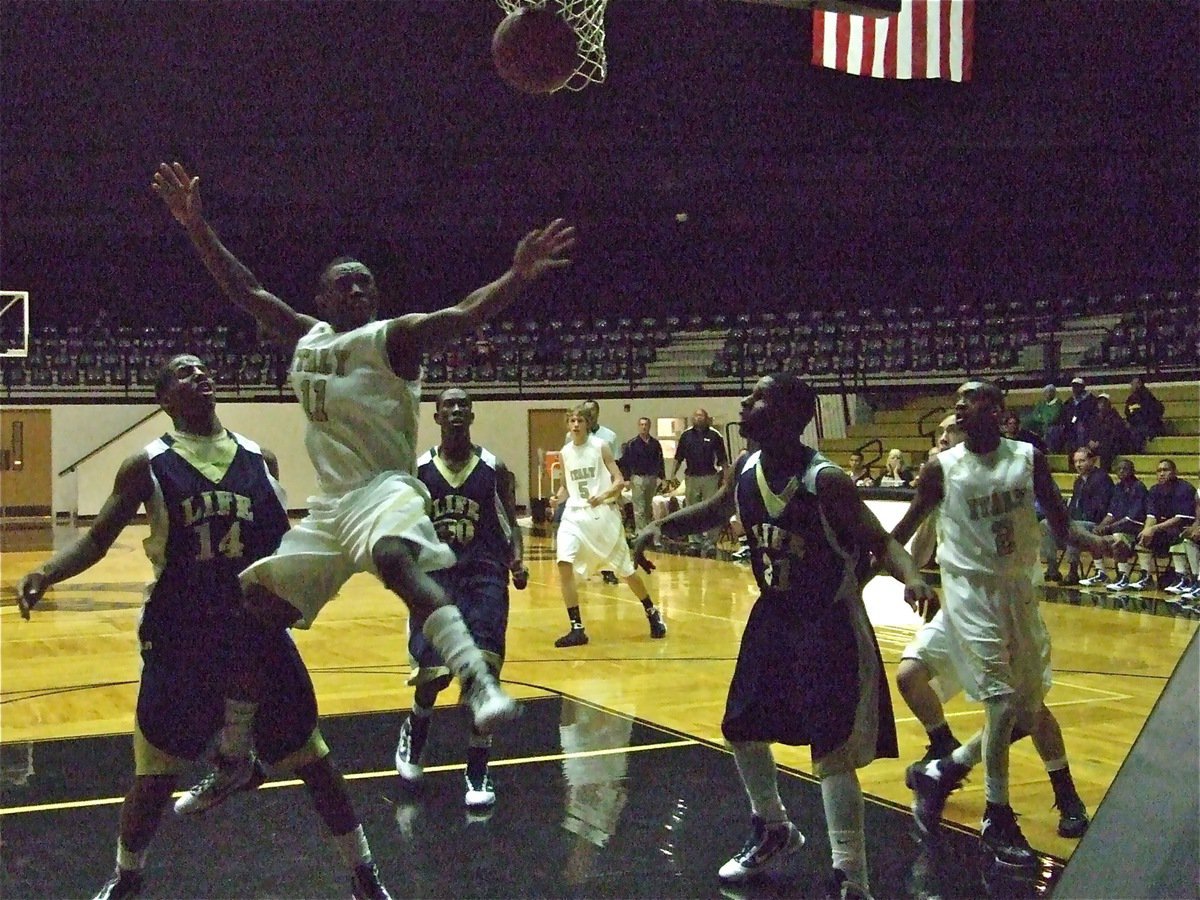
30, 591
179, 190
637, 547
544, 248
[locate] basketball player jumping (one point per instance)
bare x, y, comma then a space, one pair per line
808, 670
213, 506
358, 380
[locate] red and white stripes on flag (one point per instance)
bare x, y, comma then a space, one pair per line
927, 39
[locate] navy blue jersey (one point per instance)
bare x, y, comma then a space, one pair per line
215, 509
808, 669
794, 557
466, 509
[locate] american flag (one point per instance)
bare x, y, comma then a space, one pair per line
927, 39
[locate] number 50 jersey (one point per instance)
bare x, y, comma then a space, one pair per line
466, 509
215, 509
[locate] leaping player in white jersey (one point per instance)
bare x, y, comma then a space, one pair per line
359, 381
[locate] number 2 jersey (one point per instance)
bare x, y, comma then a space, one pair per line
215, 509
986, 521
362, 416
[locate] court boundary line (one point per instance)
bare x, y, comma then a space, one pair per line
61, 805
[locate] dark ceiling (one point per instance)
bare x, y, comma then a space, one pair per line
1069, 165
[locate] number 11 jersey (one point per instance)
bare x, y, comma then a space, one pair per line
362, 416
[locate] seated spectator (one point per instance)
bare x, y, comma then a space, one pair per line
1125, 517
896, 470
672, 497
1143, 414
1191, 548
1010, 427
1070, 429
1170, 508
1044, 413
1107, 434
859, 471
1090, 496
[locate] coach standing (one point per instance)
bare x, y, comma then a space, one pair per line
642, 462
701, 449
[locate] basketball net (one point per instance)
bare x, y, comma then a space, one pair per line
586, 17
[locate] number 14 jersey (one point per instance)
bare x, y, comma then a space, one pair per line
794, 553
215, 510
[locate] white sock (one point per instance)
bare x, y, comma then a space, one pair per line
127, 859
353, 847
448, 633
236, 738
843, 800
1146, 563
969, 754
996, 738
1053, 765
756, 765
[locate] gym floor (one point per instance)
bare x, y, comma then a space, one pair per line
625, 809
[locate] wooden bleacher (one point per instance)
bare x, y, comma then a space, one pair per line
899, 428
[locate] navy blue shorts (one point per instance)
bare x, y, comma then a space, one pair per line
797, 680
185, 676
481, 595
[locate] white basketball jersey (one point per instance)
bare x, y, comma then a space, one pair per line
584, 470
362, 417
986, 522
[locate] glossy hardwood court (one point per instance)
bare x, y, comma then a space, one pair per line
69, 682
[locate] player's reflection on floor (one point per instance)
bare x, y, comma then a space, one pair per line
16, 764
596, 782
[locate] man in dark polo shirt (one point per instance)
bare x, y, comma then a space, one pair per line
702, 451
1087, 506
642, 463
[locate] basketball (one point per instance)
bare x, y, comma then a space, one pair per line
535, 51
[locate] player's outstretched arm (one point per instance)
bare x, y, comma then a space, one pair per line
540, 251
853, 522
180, 191
694, 519
929, 492
131, 489
506, 498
